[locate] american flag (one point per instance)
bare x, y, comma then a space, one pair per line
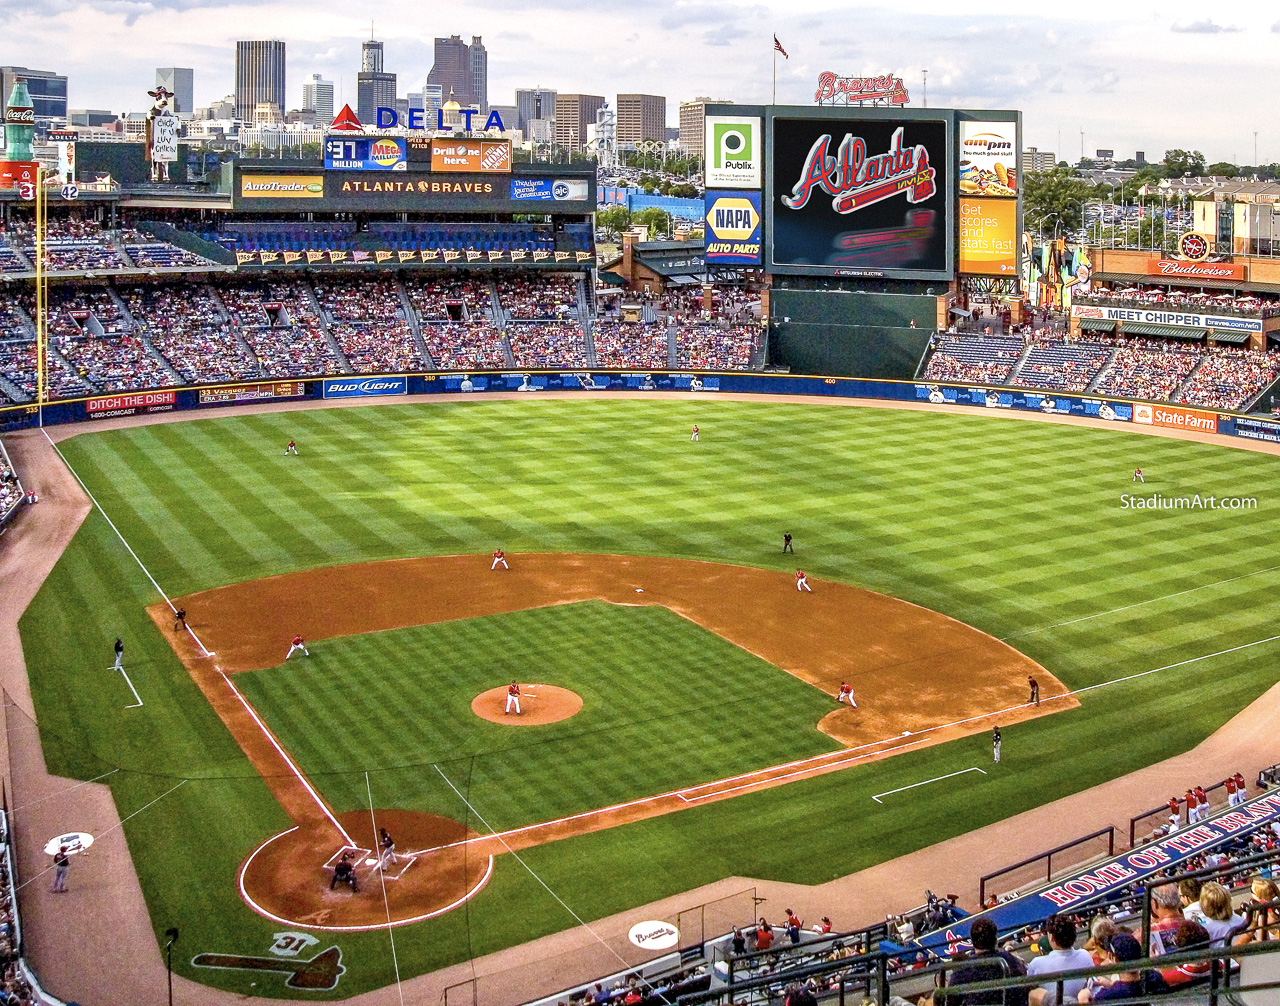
778, 45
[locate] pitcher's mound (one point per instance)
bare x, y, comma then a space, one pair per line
538, 704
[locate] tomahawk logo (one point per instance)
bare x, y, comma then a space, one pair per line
855, 180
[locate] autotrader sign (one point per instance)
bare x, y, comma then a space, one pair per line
365, 387
1176, 319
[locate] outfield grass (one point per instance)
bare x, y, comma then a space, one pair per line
1014, 527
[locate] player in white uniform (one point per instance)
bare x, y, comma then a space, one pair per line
694, 436
513, 698
802, 581
499, 557
846, 695
297, 644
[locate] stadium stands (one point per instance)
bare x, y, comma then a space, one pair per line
1069, 366
1148, 368
549, 297
973, 360
548, 346
10, 496
281, 326
631, 345
456, 346
712, 347
367, 320
1229, 378
185, 324
449, 298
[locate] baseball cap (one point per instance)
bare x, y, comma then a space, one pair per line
1125, 948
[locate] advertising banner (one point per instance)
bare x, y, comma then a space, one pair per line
129, 405
1029, 401
365, 387
1175, 418
1175, 319
733, 228
1253, 429
733, 151
164, 137
281, 187
549, 188
577, 381
1195, 270
988, 237
252, 392
1099, 882
989, 159
474, 156
365, 153
886, 88
862, 197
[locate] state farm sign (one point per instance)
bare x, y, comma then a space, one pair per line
1195, 270
1176, 419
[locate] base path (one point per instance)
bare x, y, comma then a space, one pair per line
920, 677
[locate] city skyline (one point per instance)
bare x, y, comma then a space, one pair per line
1117, 82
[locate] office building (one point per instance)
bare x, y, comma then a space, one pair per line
1035, 159
574, 113
374, 87
181, 81
91, 117
260, 77
48, 95
693, 116
641, 117
533, 104
462, 69
317, 96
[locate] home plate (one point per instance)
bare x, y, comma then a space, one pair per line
639, 590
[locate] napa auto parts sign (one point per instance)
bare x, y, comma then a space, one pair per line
1176, 319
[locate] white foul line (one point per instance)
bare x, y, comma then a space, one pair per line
950, 775
138, 704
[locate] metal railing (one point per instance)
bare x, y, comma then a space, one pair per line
1109, 831
1162, 809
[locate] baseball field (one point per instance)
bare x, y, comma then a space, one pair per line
950, 556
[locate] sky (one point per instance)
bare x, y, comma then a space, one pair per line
1129, 76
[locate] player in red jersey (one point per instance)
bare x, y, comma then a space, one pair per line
802, 581
846, 695
297, 644
513, 698
499, 557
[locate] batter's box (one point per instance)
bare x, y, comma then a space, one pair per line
358, 855
398, 868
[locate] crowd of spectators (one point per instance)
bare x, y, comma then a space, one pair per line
157, 255
548, 346
1152, 369
539, 298
184, 323
278, 322
972, 360
449, 298
15, 990
631, 345
1229, 378
1069, 366
360, 300
715, 347
376, 348
457, 346
114, 362
10, 497
18, 365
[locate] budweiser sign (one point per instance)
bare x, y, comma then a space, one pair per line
853, 179
886, 88
1208, 270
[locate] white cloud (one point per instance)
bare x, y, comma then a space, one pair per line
1203, 26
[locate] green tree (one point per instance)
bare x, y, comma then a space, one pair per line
659, 221
1179, 162
612, 221
1055, 196
1222, 168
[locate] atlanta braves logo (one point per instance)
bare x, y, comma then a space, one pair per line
855, 180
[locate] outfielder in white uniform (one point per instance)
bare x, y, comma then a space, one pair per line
513, 698
297, 644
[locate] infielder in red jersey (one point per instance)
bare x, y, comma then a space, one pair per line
802, 581
846, 695
297, 644
513, 698
499, 557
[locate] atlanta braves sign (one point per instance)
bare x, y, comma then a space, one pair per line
854, 180
862, 195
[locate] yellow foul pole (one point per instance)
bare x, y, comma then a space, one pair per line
42, 333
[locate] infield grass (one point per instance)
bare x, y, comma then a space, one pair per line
1014, 527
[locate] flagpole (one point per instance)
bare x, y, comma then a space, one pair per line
775, 69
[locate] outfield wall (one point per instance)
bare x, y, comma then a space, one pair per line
390, 387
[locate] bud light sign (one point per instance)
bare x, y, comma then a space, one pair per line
365, 387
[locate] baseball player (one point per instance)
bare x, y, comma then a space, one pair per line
1193, 807
786, 543
1230, 784
386, 848
1175, 814
995, 744
1035, 689
179, 619
291, 448
60, 866
694, 435
513, 698
499, 557
802, 581
119, 654
297, 644
1202, 798
344, 872
1137, 476
846, 695
1242, 789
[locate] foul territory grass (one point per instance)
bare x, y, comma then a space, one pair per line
1014, 527
666, 704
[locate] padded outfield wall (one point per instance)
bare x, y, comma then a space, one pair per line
850, 333
388, 388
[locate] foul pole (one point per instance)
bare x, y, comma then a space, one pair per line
42, 333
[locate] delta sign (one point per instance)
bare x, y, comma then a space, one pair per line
414, 118
733, 228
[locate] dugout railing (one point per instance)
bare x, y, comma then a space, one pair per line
1164, 809
1109, 832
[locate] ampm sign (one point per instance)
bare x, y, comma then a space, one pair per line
733, 228
365, 387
